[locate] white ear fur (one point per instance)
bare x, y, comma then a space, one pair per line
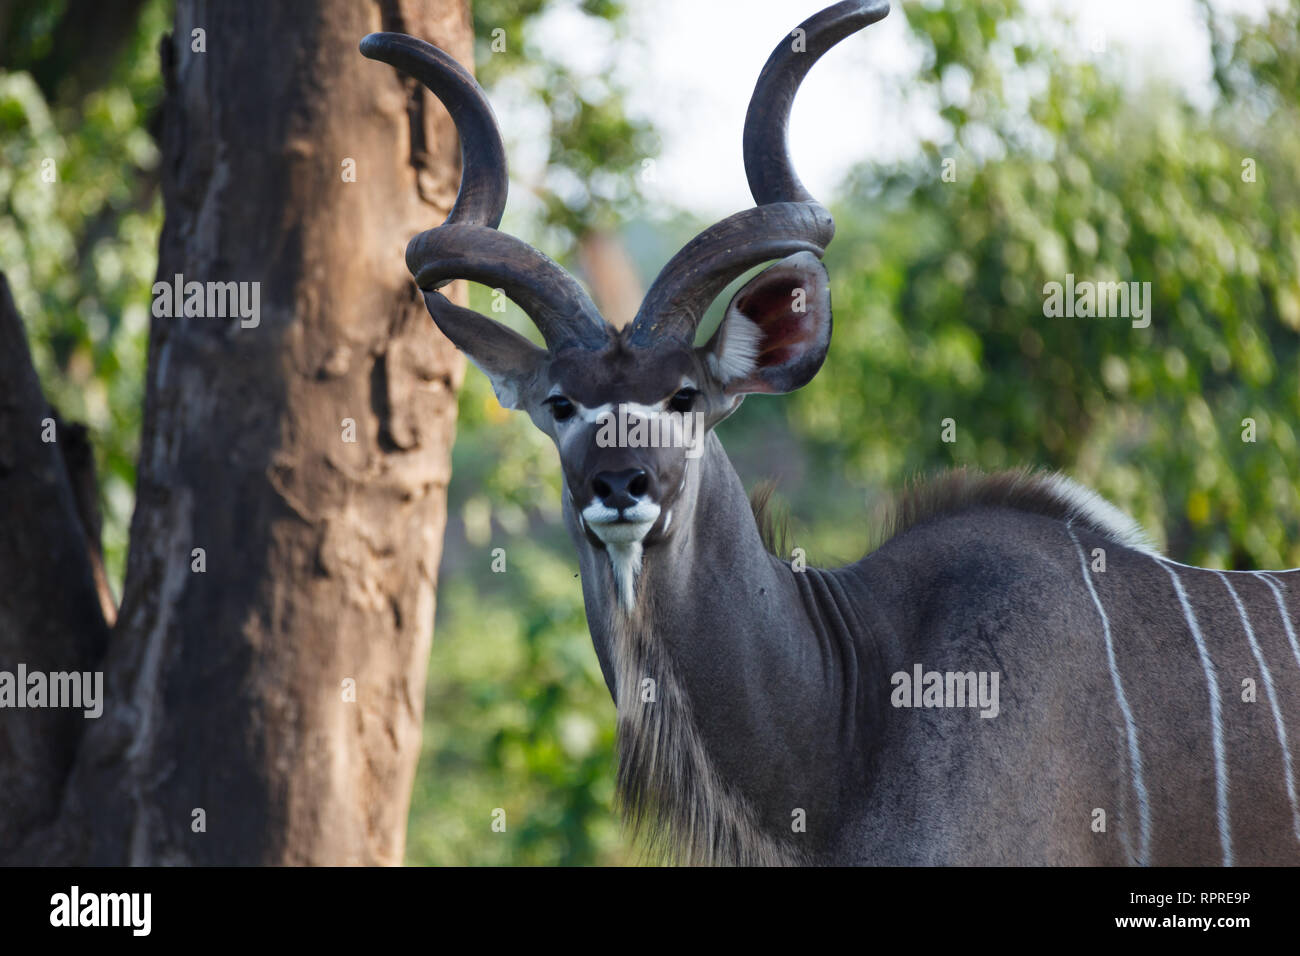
737, 353
767, 344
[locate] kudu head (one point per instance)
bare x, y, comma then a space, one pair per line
593, 383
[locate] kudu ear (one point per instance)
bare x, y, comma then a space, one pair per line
776, 331
508, 359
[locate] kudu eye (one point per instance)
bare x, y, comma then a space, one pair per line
561, 407
683, 400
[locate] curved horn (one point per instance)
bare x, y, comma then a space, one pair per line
693, 278
552, 298
468, 245
786, 219
485, 178
767, 150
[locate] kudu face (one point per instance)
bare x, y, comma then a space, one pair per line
628, 421
629, 409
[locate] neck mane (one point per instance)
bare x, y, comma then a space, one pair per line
669, 790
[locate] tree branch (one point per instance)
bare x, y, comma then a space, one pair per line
50, 613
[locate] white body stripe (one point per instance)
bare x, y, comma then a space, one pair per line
1130, 726
1216, 716
1286, 620
1278, 723
1192, 567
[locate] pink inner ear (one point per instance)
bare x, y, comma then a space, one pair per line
771, 308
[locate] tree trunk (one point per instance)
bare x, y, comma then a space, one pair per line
50, 617
264, 681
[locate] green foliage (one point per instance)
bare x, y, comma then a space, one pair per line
519, 719
597, 150
939, 290
80, 251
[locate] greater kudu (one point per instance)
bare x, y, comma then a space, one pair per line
767, 713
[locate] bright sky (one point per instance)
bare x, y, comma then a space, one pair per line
693, 63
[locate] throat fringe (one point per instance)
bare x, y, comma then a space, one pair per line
669, 792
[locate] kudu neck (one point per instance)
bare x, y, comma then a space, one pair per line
723, 654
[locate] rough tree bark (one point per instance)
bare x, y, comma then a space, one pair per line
226, 687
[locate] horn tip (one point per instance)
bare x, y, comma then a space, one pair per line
375, 46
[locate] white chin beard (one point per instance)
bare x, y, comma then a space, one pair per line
623, 534
625, 562
623, 542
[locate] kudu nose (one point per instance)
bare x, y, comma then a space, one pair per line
620, 489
